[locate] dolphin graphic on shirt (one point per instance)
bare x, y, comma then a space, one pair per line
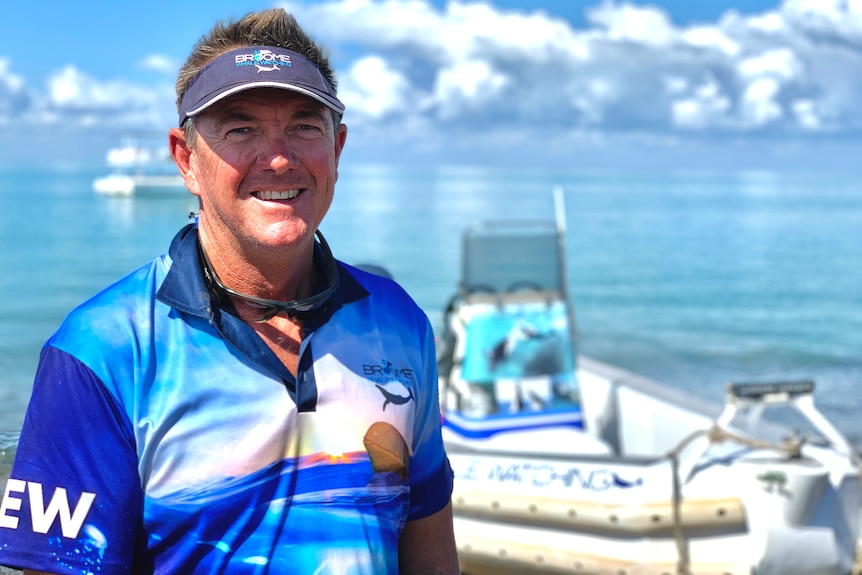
394, 398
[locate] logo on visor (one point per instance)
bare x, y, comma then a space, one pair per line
264, 60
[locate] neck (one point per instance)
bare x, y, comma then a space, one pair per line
283, 274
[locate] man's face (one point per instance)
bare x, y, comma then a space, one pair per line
264, 167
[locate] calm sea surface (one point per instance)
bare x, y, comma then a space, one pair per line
690, 279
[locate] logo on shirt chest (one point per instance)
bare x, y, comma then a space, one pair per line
395, 384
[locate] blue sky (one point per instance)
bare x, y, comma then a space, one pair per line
571, 83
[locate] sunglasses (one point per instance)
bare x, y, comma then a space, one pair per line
269, 308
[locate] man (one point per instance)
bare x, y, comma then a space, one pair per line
246, 403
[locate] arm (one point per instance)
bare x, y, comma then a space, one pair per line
28, 572
61, 459
427, 546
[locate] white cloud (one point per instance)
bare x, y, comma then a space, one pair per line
758, 104
72, 89
72, 93
10, 81
711, 38
14, 95
827, 22
160, 63
806, 115
703, 109
769, 23
416, 29
630, 23
371, 89
590, 99
75, 98
630, 69
466, 86
432, 75
781, 63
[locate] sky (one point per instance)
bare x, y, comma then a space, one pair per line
590, 84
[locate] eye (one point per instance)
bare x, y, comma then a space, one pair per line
307, 130
238, 126
308, 127
239, 133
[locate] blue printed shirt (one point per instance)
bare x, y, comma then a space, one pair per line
164, 436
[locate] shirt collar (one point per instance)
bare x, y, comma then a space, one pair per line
185, 288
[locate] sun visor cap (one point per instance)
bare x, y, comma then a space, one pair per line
256, 67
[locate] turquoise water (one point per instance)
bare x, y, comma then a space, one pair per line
693, 279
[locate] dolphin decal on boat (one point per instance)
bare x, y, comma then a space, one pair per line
620, 482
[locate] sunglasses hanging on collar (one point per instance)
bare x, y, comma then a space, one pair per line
269, 307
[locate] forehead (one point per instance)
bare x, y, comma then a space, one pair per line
262, 101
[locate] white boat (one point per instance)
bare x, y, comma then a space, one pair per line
139, 165
564, 464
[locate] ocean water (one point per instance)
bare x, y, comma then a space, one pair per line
692, 279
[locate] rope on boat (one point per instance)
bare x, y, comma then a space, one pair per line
716, 434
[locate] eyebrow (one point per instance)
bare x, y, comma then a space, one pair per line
238, 113
310, 111
233, 116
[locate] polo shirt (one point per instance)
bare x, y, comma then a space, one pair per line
164, 436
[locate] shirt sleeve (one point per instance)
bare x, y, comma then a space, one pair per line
72, 503
431, 477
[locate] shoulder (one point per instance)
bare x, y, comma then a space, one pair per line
114, 316
384, 292
378, 303
377, 281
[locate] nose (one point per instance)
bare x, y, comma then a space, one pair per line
278, 156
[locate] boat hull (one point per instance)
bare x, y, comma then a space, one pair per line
122, 185
641, 505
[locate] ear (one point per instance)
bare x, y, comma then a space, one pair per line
340, 139
182, 154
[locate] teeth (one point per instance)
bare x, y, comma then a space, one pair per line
286, 195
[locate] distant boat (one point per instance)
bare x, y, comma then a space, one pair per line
139, 165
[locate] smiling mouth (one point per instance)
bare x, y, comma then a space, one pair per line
273, 195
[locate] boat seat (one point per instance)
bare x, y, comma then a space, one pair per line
521, 343
512, 384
